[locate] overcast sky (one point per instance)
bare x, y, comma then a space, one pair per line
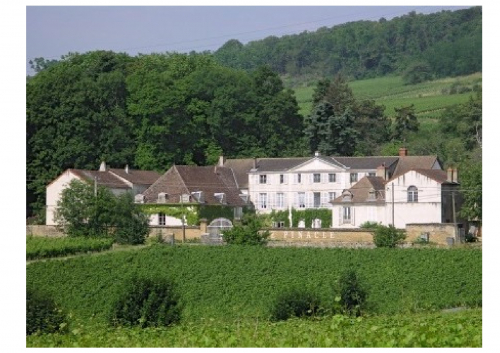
52, 31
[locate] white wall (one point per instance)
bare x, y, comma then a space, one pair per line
54, 193
426, 210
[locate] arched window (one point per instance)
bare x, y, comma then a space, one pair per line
412, 194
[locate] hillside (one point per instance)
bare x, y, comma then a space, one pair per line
430, 98
448, 43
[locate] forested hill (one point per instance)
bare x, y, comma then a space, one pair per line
447, 43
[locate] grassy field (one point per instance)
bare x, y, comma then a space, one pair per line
227, 293
461, 329
429, 98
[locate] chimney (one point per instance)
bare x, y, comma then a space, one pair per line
222, 160
455, 175
255, 163
381, 171
102, 168
449, 175
403, 152
317, 154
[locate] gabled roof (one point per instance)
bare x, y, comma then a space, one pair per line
139, 177
361, 191
105, 178
438, 175
240, 167
407, 163
184, 179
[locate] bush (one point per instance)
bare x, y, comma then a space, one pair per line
42, 314
248, 233
388, 237
369, 225
299, 303
351, 292
146, 302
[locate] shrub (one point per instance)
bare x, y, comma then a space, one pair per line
369, 225
299, 303
388, 237
42, 314
248, 233
146, 302
351, 292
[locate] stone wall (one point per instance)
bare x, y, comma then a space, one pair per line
352, 238
438, 232
43, 231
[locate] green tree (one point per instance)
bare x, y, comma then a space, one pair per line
405, 122
471, 187
84, 210
388, 236
331, 134
416, 72
247, 233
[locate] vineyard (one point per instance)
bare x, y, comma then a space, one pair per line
38, 247
233, 282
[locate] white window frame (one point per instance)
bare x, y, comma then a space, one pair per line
332, 176
353, 177
280, 200
346, 215
316, 178
263, 200
301, 198
263, 179
412, 193
318, 205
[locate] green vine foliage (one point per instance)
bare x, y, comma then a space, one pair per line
193, 212
306, 215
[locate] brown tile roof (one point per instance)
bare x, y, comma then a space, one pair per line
139, 177
361, 190
437, 175
103, 178
414, 162
240, 167
183, 179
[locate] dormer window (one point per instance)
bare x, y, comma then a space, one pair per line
221, 197
162, 197
199, 196
412, 194
372, 195
139, 198
346, 196
185, 198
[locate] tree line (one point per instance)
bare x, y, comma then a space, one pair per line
448, 43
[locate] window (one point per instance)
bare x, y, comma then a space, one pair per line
354, 177
317, 178
332, 177
299, 178
279, 200
331, 196
412, 194
317, 199
302, 199
282, 179
372, 195
263, 179
346, 215
371, 174
263, 200
161, 219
